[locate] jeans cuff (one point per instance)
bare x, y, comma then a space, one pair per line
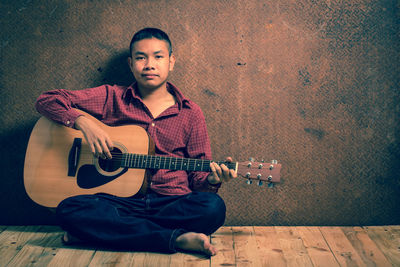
174, 236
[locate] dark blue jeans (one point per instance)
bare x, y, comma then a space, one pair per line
151, 223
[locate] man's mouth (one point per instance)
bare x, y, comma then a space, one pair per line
149, 75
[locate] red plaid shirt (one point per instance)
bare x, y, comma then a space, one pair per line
180, 131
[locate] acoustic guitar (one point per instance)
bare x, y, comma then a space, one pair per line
59, 163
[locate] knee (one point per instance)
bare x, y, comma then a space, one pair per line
213, 212
70, 208
216, 206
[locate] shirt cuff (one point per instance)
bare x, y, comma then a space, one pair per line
70, 118
213, 186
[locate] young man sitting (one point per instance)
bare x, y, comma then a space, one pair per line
180, 208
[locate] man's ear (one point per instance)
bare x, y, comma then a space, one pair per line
129, 61
172, 60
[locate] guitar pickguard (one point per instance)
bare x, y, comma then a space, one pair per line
88, 177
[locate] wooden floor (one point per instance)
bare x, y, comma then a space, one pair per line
238, 246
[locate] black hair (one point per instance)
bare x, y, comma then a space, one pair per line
148, 33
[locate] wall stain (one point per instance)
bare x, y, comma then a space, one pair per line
305, 77
315, 132
210, 93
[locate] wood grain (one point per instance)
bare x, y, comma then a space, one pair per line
237, 246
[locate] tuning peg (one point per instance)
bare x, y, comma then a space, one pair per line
262, 160
271, 185
260, 183
274, 161
249, 181
260, 166
271, 167
269, 178
251, 159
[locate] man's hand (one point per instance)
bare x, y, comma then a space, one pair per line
98, 140
221, 173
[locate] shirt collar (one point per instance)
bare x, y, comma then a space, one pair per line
132, 91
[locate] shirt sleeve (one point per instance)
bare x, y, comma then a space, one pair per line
58, 105
199, 147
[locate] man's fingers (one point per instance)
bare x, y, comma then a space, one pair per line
214, 169
232, 173
105, 149
213, 166
224, 171
98, 149
218, 170
92, 148
110, 144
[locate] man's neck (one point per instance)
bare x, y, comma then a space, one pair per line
156, 100
150, 94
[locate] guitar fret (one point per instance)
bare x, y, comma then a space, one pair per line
135, 164
151, 162
185, 163
162, 161
142, 161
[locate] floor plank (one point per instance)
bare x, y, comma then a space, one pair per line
245, 246
366, 248
269, 246
38, 251
110, 258
72, 257
238, 246
316, 246
13, 239
183, 259
292, 246
388, 240
341, 247
223, 241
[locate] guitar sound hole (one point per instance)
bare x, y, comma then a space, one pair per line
110, 165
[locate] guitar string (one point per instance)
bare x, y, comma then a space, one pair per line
148, 164
162, 160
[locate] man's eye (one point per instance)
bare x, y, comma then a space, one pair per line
159, 56
139, 58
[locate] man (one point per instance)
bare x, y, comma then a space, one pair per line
180, 209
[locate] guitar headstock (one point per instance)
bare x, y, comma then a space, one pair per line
260, 171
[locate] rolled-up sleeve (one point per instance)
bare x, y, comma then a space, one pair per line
58, 105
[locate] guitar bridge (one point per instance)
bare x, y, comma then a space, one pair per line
73, 157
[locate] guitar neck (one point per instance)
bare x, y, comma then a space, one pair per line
170, 163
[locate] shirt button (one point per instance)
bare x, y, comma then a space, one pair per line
68, 122
153, 124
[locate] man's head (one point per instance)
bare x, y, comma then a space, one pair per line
151, 58
148, 33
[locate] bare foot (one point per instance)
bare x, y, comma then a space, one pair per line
68, 239
195, 242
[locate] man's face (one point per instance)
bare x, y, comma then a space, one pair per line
150, 62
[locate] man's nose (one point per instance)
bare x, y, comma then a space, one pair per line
149, 63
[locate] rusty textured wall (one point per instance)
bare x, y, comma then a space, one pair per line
313, 84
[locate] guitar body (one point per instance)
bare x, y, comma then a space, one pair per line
47, 171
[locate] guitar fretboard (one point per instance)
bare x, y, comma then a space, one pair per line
159, 162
